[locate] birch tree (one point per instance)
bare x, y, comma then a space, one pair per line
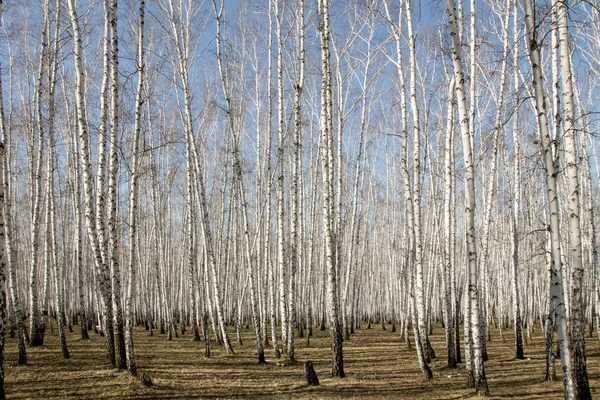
480, 381
576, 315
36, 329
281, 257
100, 209
3, 249
51, 240
518, 324
408, 191
326, 146
10, 256
551, 166
113, 183
416, 190
504, 14
295, 228
82, 125
239, 186
448, 267
134, 193
58, 277
266, 251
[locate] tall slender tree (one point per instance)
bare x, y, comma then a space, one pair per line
90, 217
557, 297
239, 184
576, 315
36, 329
480, 380
134, 193
326, 146
113, 184
295, 238
3, 249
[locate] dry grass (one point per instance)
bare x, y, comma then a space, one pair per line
378, 365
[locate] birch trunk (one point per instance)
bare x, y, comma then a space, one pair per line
498, 125
183, 70
467, 309
113, 183
4, 261
418, 236
551, 166
3, 249
550, 316
480, 378
594, 258
134, 196
448, 268
191, 245
47, 258
454, 287
576, 316
295, 239
87, 182
267, 251
280, 182
100, 227
326, 145
51, 201
36, 333
518, 324
10, 256
79, 240
354, 229
311, 246
408, 192
159, 236
54, 246
239, 183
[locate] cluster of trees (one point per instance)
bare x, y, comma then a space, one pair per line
291, 164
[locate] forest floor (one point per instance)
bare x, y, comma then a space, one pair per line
377, 363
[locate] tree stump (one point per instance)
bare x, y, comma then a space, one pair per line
145, 378
311, 375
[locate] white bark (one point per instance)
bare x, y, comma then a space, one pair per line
517, 320
550, 163
295, 239
353, 238
480, 380
3, 248
58, 280
239, 186
36, 332
576, 317
267, 252
448, 268
87, 177
416, 192
10, 258
181, 37
326, 145
79, 236
51, 240
134, 195
113, 184
280, 180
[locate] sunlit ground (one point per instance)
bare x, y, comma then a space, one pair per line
378, 365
